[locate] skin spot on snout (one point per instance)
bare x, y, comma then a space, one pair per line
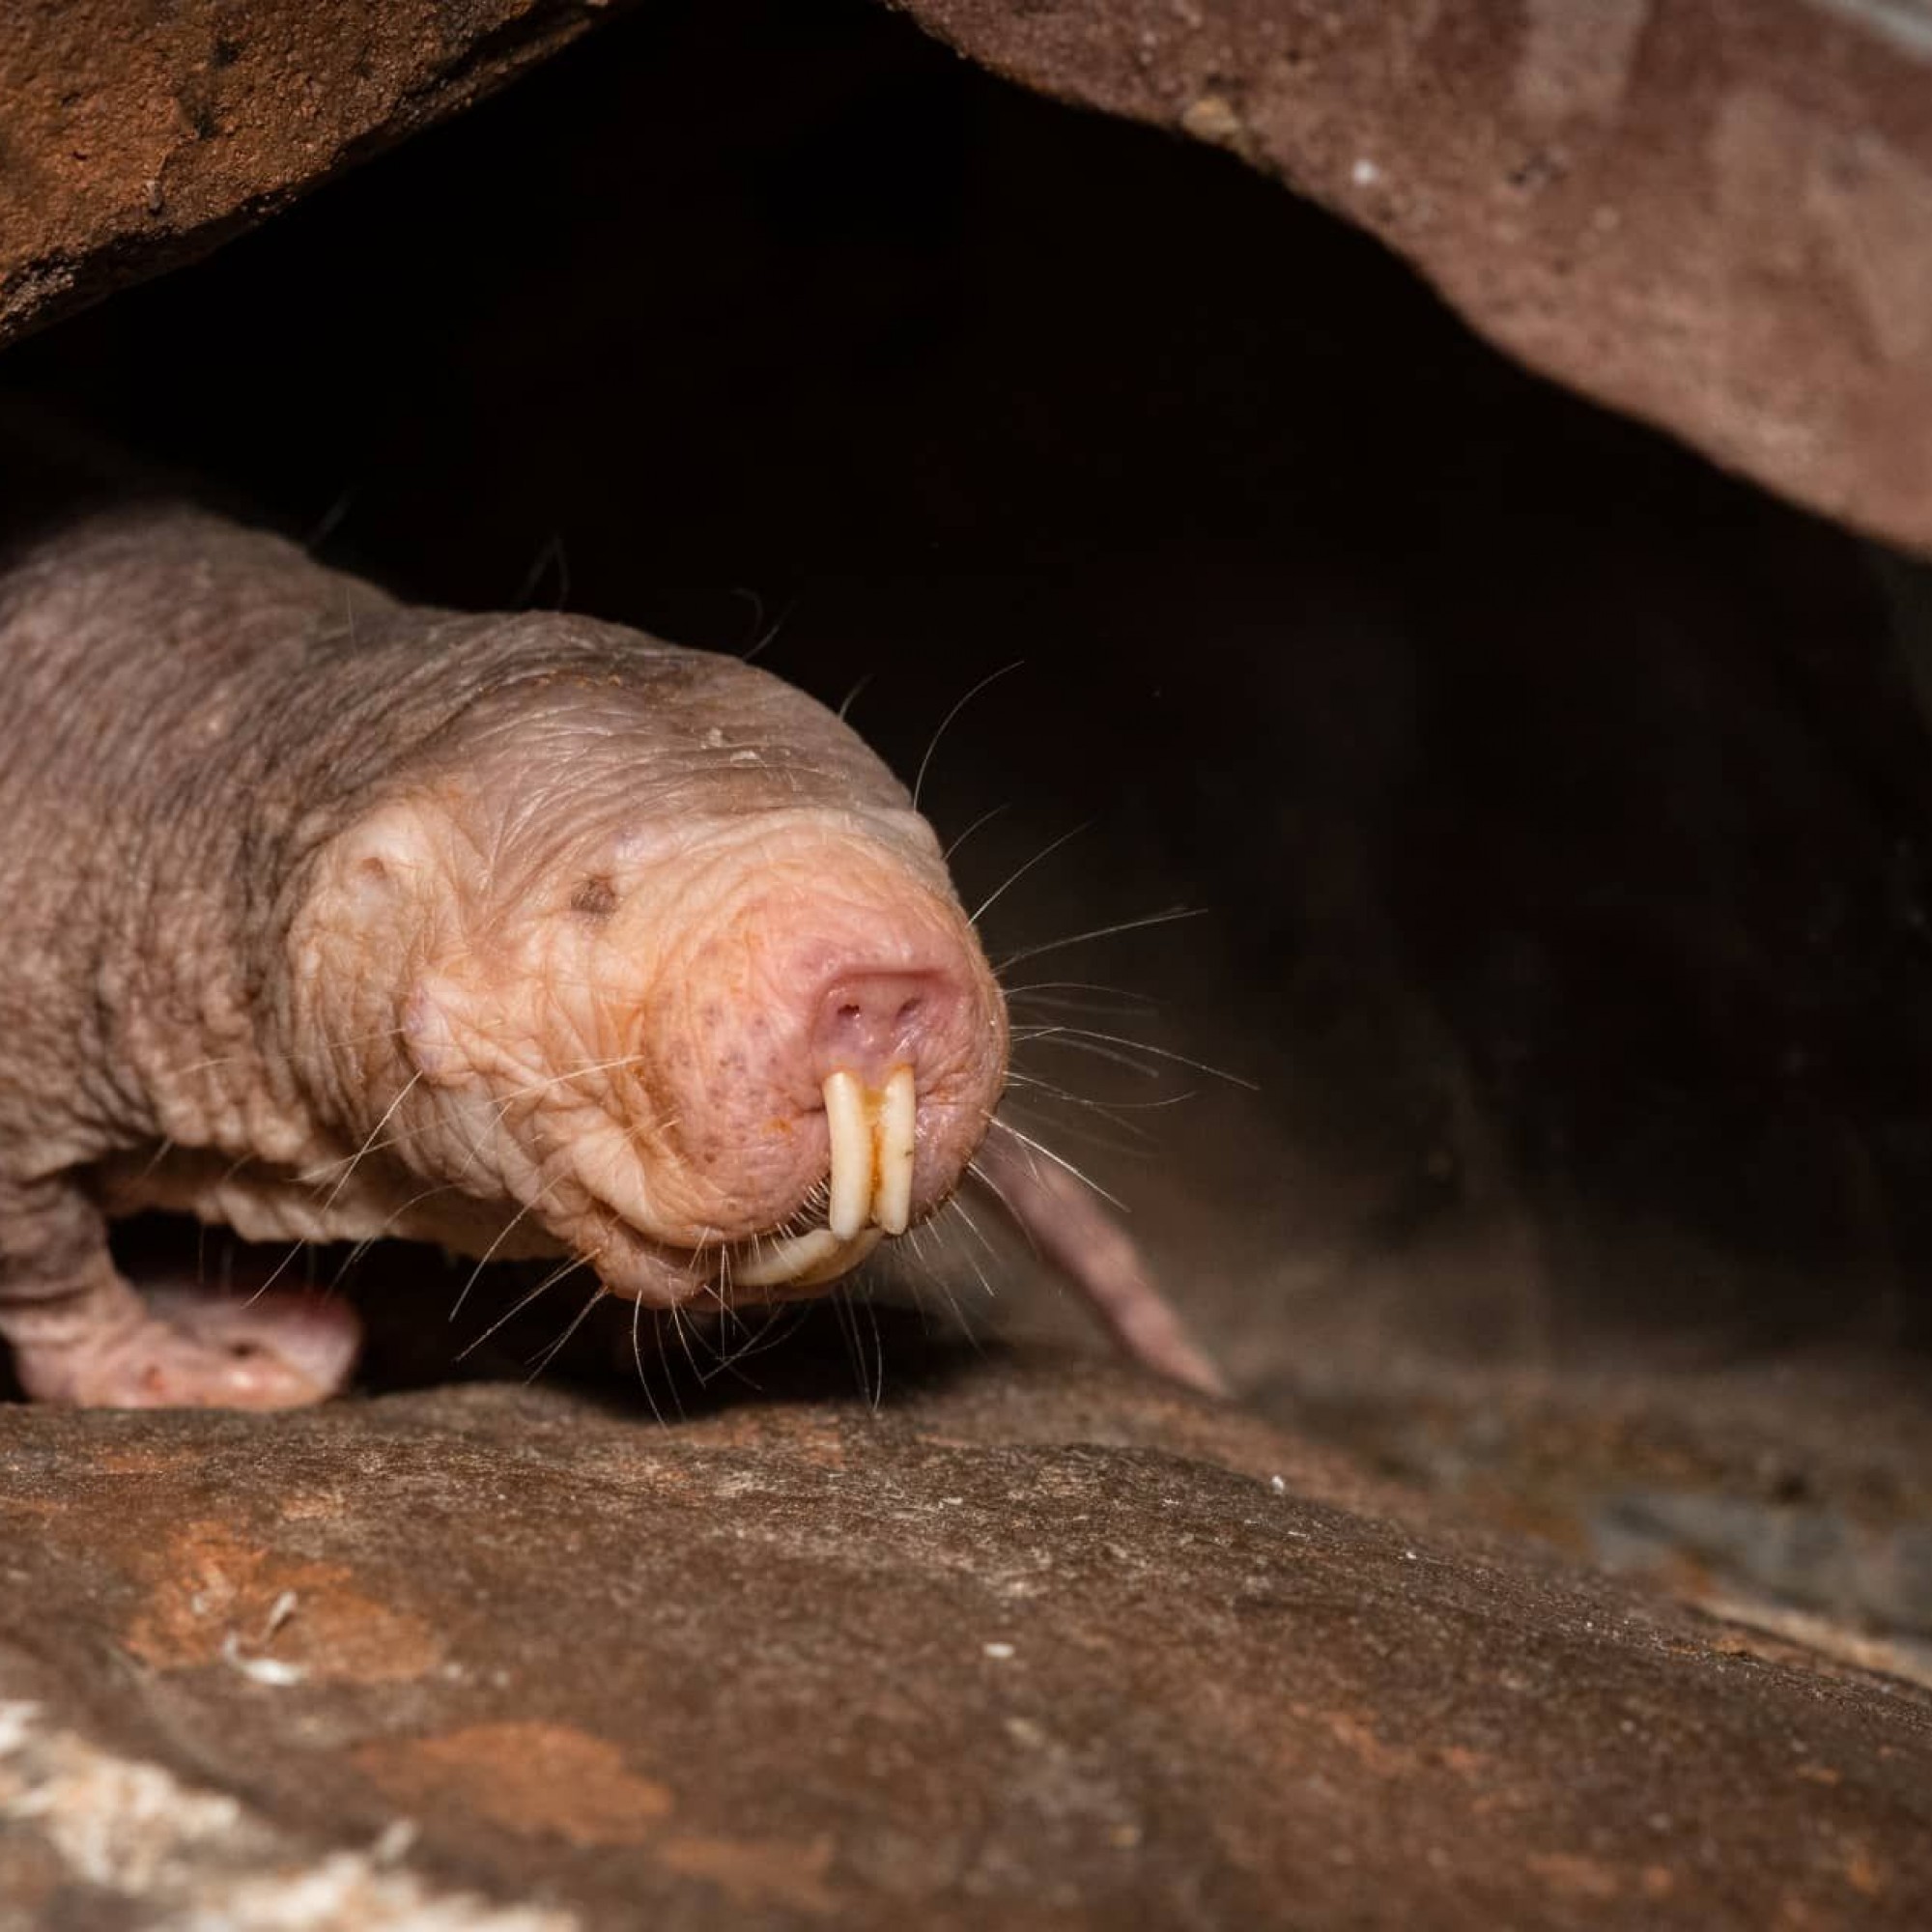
595, 898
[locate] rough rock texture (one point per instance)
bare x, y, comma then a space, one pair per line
134, 137
1025, 1646
1793, 1494
1717, 217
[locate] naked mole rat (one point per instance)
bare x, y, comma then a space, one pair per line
329, 918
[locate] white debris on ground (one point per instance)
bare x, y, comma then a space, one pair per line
199, 1862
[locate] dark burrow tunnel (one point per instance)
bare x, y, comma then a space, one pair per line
1550, 810
1507, 840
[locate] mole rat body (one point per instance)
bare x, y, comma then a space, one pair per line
328, 918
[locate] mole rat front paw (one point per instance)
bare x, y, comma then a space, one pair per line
195, 1348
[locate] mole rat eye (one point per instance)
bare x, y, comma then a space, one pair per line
594, 899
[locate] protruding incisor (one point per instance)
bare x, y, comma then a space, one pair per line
897, 1128
850, 1134
871, 1134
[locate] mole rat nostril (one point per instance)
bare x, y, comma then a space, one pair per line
870, 1022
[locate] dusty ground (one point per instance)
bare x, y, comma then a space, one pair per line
1029, 1642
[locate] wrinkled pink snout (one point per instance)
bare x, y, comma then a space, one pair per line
843, 1054
871, 1022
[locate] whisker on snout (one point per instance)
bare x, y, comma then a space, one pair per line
561, 1272
556, 1347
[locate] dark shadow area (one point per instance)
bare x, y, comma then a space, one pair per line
1556, 806
432, 1320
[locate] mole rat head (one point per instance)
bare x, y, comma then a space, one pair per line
676, 972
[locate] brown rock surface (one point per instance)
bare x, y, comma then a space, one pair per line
1024, 1645
1793, 1493
134, 137
1717, 219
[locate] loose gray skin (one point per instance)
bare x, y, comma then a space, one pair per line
329, 918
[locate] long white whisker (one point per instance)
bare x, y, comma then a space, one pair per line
389, 1113
776, 625
1060, 1160
1024, 1038
999, 1194
315, 1174
1043, 990
557, 1346
978, 1235
985, 818
638, 1356
851, 698
549, 1281
1012, 879
1140, 1146
991, 677
681, 1328
1067, 1033
1051, 1090
1100, 932
389, 1220
503, 1236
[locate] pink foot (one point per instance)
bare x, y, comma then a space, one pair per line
194, 1348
